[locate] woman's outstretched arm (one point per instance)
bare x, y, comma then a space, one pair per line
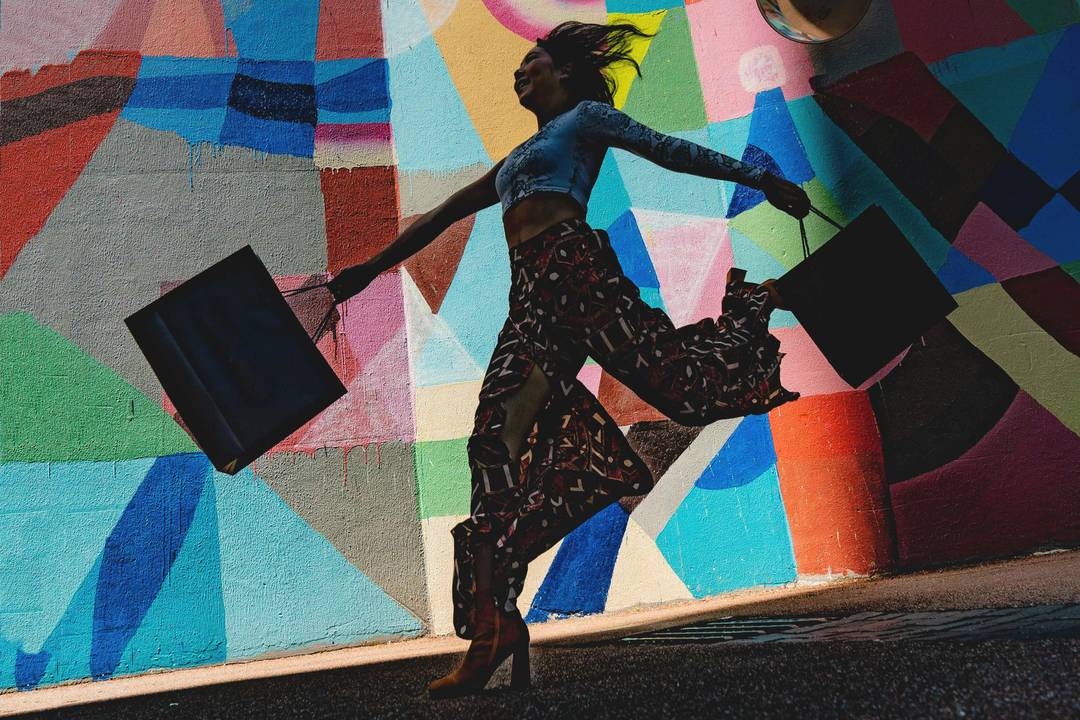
472, 198
604, 124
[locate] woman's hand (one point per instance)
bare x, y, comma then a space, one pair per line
785, 195
352, 280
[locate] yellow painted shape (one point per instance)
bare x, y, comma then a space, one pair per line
623, 73
445, 412
1045, 370
481, 56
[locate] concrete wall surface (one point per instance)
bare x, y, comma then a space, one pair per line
143, 140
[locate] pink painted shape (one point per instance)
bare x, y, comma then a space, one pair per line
589, 376
534, 18
1013, 490
989, 241
691, 259
935, 29
371, 357
805, 370
722, 33
353, 134
36, 33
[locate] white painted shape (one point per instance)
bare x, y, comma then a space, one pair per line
439, 570
538, 570
642, 576
660, 504
762, 68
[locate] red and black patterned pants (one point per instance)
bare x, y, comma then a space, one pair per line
569, 299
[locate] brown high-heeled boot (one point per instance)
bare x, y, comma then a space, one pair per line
498, 635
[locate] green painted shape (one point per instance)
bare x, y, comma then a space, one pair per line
777, 233
1073, 269
1047, 15
443, 479
59, 404
667, 97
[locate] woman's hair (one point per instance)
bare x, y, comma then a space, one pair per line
588, 49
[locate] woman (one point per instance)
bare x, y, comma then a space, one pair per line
544, 455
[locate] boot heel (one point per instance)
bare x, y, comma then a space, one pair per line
520, 677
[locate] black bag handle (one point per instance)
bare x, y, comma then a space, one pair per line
802, 229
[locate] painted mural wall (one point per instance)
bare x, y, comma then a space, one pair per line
143, 140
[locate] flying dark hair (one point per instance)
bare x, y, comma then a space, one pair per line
588, 49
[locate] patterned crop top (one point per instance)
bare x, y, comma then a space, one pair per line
566, 153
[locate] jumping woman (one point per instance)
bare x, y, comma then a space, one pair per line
544, 455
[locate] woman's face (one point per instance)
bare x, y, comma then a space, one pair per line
537, 80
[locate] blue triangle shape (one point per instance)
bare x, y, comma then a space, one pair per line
746, 197
772, 129
960, 273
578, 580
630, 248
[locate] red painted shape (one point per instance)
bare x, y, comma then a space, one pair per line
361, 206
935, 29
1052, 299
87, 64
623, 404
1013, 490
349, 29
832, 478
433, 268
36, 172
888, 87
990, 242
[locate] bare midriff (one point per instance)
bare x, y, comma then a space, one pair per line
536, 213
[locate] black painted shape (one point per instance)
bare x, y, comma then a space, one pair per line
1015, 192
937, 403
1071, 190
914, 167
63, 105
289, 102
659, 443
968, 147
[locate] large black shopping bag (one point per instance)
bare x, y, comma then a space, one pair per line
865, 295
235, 360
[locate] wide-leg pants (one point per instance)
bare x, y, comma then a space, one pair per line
569, 299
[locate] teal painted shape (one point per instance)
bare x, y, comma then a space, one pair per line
609, 198
652, 187
652, 298
285, 586
730, 138
419, 82
722, 540
856, 182
995, 83
56, 518
759, 265
482, 281
442, 360
185, 624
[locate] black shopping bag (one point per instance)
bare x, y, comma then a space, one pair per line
235, 360
865, 295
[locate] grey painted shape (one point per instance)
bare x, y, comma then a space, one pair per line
874, 39
366, 508
421, 190
136, 218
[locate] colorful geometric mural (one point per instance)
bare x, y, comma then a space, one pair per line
143, 140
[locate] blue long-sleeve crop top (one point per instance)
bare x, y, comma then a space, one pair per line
566, 153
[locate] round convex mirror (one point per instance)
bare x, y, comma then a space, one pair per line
813, 21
